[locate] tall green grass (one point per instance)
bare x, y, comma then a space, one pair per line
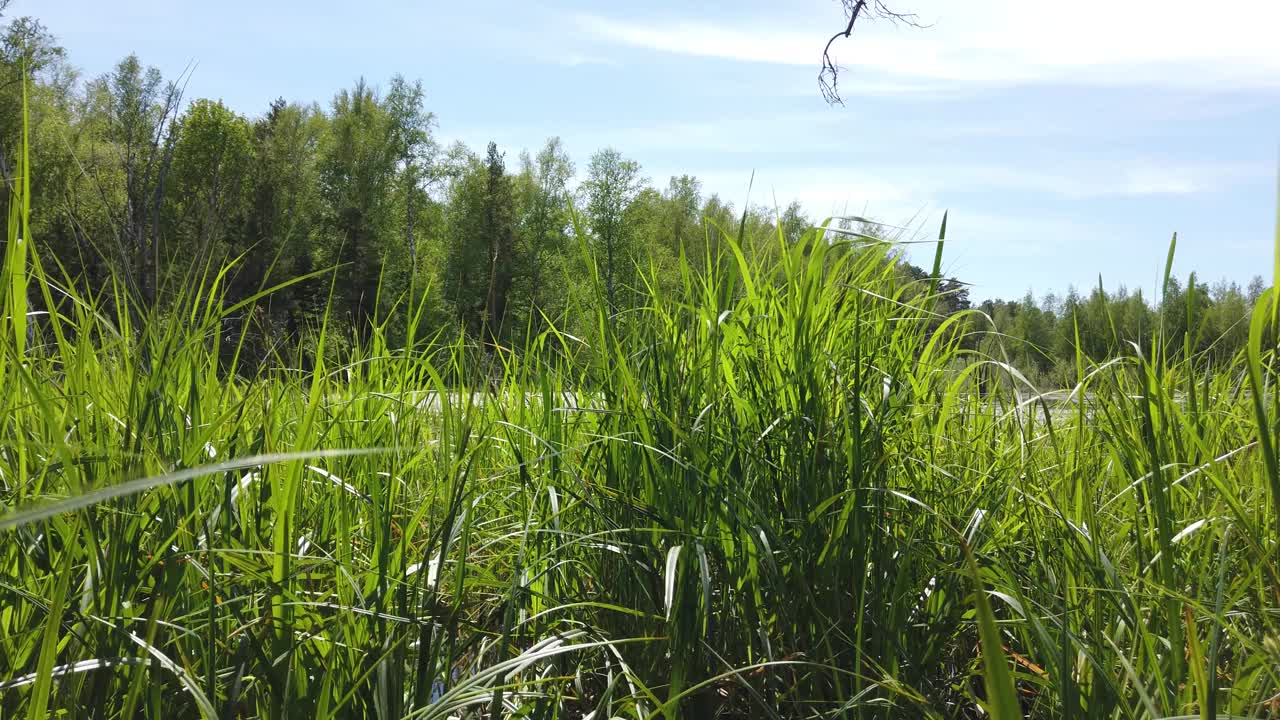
781, 491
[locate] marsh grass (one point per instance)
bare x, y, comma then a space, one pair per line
784, 496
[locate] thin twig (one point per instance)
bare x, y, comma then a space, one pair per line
828, 75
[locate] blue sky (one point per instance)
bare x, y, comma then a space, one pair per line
1063, 143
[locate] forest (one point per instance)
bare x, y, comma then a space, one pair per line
136, 183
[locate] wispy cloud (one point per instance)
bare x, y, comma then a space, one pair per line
578, 60
822, 192
1081, 182
751, 134
1165, 181
891, 191
694, 37
1168, 43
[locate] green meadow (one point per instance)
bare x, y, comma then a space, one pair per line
777, 473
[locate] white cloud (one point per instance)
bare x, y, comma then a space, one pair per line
1076, 181
1167, 43
1081, 182
901, 193
1162, 181
706, 39
748, 133
576, 60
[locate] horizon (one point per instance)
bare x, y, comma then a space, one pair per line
1059, 157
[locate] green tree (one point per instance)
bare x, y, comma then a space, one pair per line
794, 223
140, 109
1226, 322
1097, 337
1180, 312
1256, 286
612, 184
358, 160
541, 189
483, 257
718, 218
1064, 347
500, 230
683, 198
464, 273
411, 127
208, 180
1133, 319
27, 50
1033, 330
281, 225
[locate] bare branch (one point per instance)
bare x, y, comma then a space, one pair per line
828, 75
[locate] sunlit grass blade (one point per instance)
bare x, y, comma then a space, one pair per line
134, 487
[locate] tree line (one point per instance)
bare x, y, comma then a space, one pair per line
365, 220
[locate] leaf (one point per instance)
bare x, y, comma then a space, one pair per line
133, 487
1002, 698
673, 561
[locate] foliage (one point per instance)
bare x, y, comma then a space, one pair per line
611, 187
136, 195
773, 495
802, 479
